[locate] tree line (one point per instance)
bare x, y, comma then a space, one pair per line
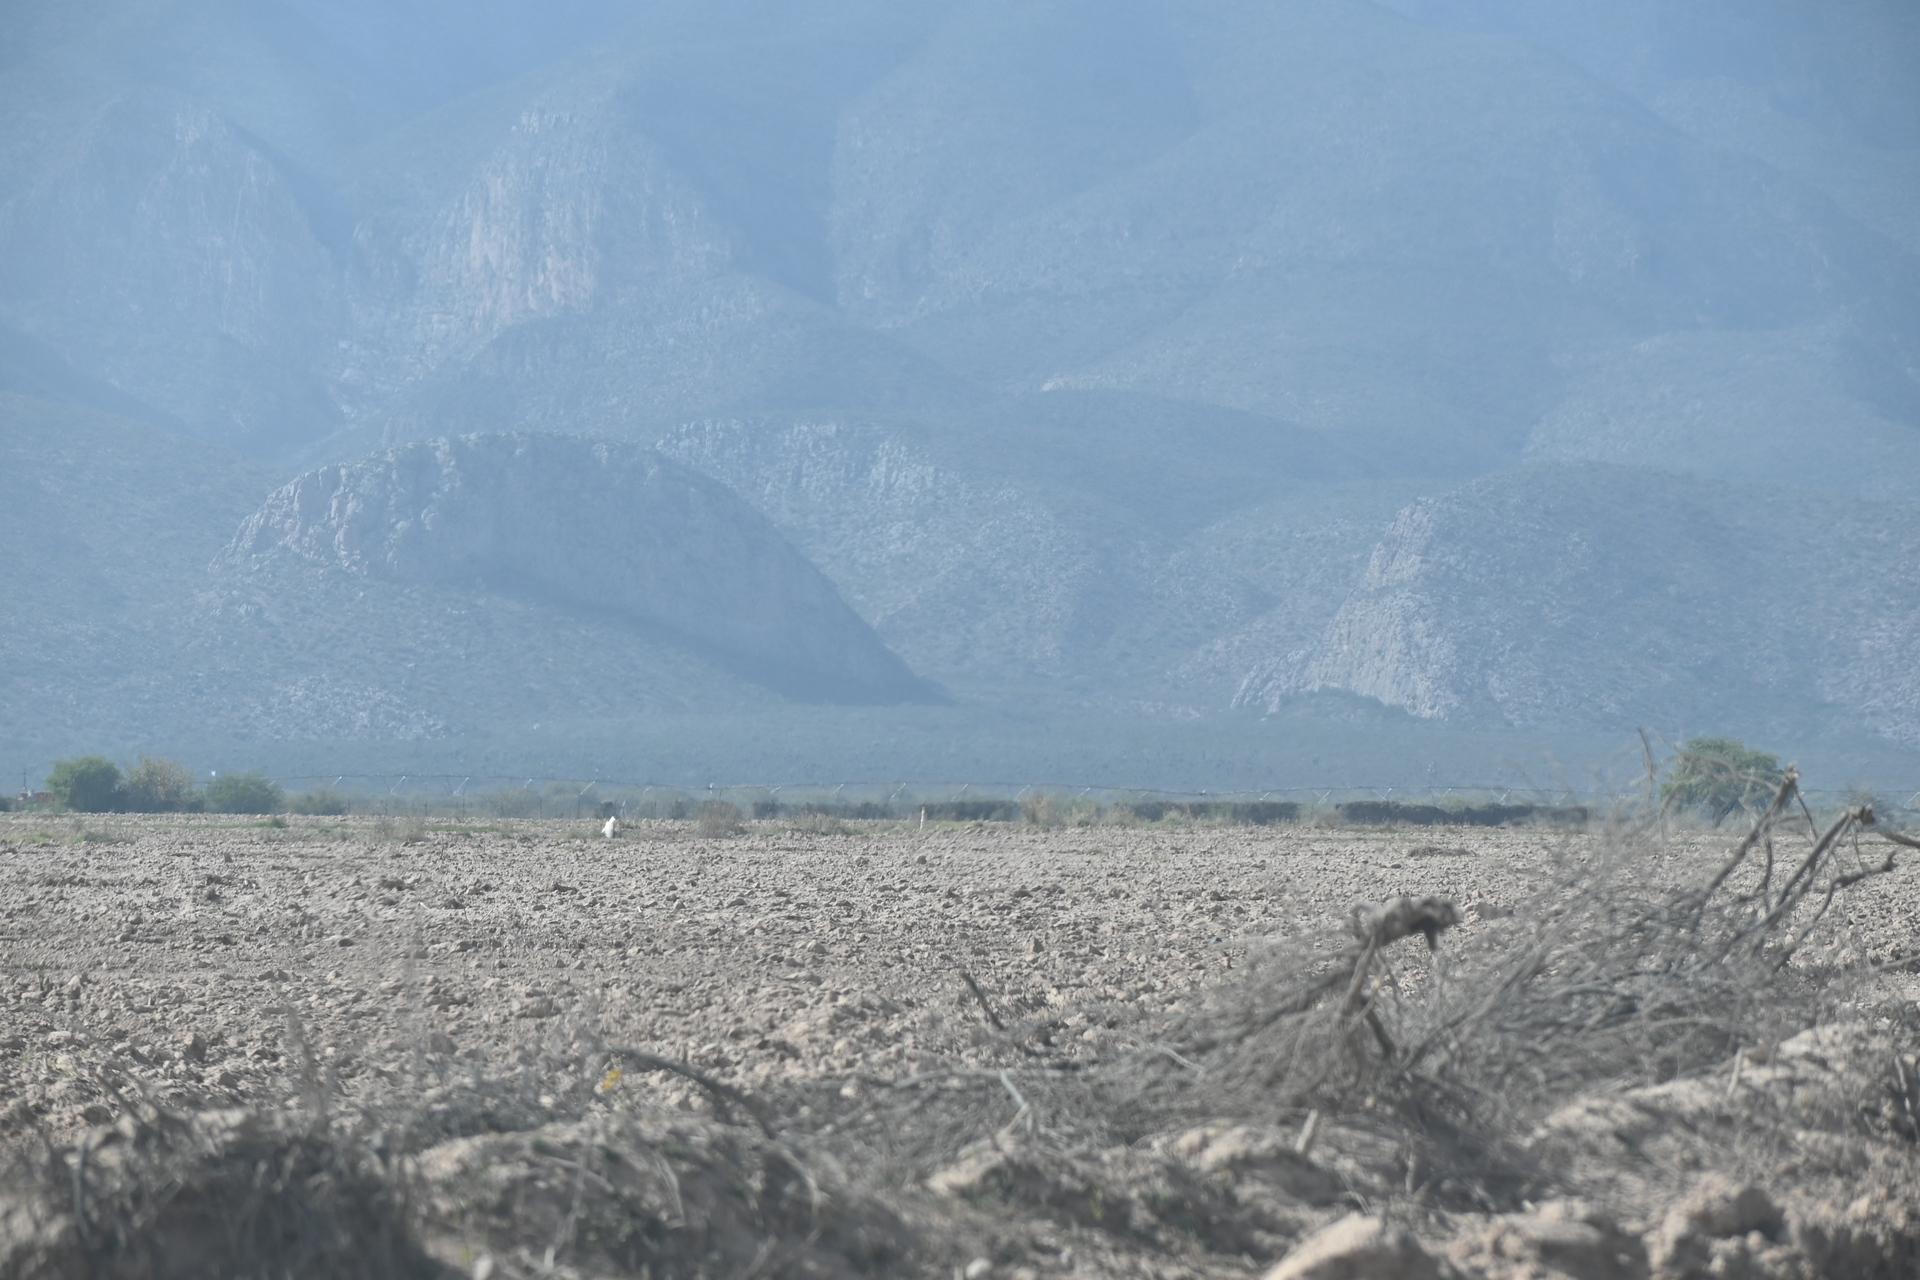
155, 784
1714, 776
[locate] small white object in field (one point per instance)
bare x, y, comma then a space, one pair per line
611, 829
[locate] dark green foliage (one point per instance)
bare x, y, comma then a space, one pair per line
827, 809
250, 792
322, 801
1254, 813
973, 811
1720, 775
1388, 812
86, 784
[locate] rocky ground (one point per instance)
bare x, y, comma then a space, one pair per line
489, 990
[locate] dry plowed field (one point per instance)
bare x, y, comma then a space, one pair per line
883, 1049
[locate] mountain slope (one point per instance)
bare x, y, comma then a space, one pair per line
1089, 349
1405, 232
134, 624
609, 529
1595, 595
108, 526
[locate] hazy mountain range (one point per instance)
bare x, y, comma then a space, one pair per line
1207, 395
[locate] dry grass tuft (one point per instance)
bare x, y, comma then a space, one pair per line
718, 820
814, 823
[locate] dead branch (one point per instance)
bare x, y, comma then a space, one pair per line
1789, 788
723, 1093
981, 996
1382, 924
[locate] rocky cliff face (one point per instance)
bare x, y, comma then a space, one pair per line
1602, 595
167, 253
606, 528
998, 580
1423, 232
963, 578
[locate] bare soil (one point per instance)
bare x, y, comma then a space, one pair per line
479, 984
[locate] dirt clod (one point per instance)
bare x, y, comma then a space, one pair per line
1358, 1247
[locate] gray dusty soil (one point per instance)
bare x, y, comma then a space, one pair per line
770, 952
225, 962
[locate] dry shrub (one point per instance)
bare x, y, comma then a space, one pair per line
815, 823
1048, 809
164, 1196
718, 820
660, 1194
1425, 1058
240, 1193
1606, 979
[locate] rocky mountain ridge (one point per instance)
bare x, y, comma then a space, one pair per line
1247, 211
1562, 593
595, 526
1089, 352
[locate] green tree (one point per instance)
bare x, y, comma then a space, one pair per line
86, 784
251, 792
1720, 775
159, 785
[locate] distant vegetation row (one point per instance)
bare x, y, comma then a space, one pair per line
1051, 810
1715, 777
95, 784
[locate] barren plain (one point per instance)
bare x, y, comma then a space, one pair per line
760, 994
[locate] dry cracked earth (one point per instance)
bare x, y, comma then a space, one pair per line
208, 964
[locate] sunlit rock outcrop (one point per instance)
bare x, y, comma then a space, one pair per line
1566, 594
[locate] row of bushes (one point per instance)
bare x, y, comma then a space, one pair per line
1717, 776
95, 784
1046, 809
1380, 813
